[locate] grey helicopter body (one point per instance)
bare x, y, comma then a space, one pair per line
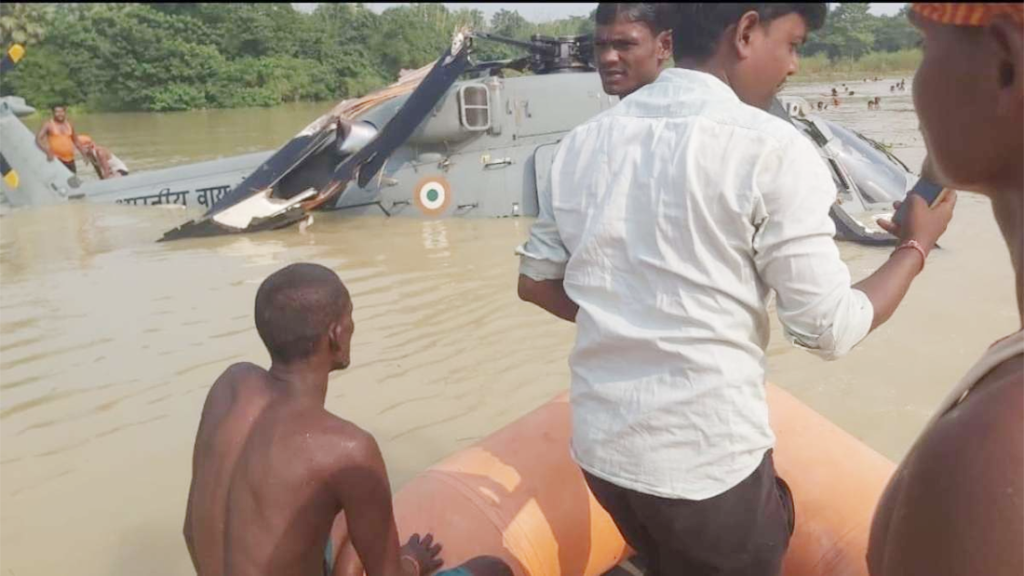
462, 140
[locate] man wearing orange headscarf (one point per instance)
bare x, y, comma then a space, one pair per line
107, 165
955, 504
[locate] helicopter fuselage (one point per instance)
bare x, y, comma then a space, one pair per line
484, 149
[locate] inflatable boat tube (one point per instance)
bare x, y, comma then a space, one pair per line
519, 496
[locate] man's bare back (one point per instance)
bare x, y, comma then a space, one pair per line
272, 468
953, 505
263, 460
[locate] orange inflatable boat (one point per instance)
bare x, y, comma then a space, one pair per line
519, 496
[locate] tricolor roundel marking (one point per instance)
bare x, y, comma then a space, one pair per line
432, 195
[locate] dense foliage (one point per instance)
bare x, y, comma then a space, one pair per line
180, 56
850, 32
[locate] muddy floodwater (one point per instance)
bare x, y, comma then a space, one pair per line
110, 341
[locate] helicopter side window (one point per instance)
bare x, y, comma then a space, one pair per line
475, 109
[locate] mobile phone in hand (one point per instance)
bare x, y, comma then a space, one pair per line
930, 191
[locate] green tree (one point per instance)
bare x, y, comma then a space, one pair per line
339, 37
44, 79
411, 36
511, 24
893, 33
23, 23
472, 18
178, 56
260, 30
848, 32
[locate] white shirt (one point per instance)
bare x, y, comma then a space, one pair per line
672, 217
116, 164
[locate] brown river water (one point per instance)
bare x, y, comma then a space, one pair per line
110, 341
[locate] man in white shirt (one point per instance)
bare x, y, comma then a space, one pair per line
632, 40
671, 219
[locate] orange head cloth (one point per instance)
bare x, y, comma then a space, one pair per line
964, 14
84, 139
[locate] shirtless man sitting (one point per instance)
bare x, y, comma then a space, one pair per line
272, 468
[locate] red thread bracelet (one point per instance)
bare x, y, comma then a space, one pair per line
916, 246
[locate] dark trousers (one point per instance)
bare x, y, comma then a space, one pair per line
744, 531
70, 166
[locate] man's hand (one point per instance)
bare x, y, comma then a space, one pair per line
549, 295
421, 554
49, 156
922, 223
928, 171
887, 285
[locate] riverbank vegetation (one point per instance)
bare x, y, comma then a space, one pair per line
856, 43
181, 56
820, 67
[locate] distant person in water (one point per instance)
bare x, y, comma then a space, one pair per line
272, 468
107, 165
57, 138
955, 504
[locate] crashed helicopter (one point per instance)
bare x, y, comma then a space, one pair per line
456, 139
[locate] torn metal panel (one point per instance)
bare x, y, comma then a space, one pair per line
310, 163
258, 212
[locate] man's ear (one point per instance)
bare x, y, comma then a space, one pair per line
334, 336
743, 33
664, 42
1007, 39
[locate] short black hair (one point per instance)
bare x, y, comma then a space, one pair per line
658, 16
699, 26
55, 106
295, 306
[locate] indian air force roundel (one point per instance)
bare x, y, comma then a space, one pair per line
433, 195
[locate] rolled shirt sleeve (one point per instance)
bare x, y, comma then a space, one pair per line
796, 255
543, 256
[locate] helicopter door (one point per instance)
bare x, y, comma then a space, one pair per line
550, 104
542, 159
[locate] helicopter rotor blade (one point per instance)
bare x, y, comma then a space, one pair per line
368, 160
273, 169
513, 64
525, 45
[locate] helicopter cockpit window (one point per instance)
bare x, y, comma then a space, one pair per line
876, 175
475, 109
